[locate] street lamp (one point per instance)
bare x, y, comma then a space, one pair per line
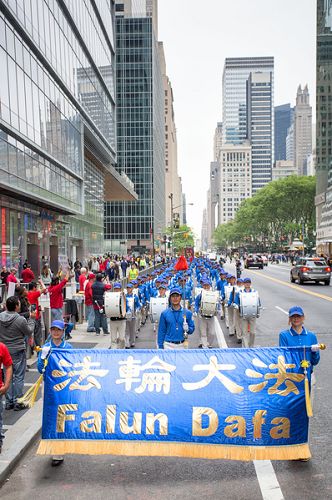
170, 196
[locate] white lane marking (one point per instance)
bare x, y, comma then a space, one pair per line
266, 476
267, 479
220, 334
32, 370
28, 384
282, 310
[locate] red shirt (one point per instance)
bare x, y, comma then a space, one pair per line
56, 297
88, 294
27, 275
33, 297
102, 266
11, 278
5, 360
81, 281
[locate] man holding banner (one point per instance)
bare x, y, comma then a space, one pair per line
176, 323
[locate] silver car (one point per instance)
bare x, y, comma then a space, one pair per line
311, 269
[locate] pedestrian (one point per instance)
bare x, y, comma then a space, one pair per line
11, 278
98, 290
175, 324
89, 310
7, 363
95, 265
27, 274
123, 265
133, 272
118, 323
46, 275
56, 297
57, 341
33, 298
14, 331
134, 306
82, 279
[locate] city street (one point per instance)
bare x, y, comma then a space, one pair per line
102, 477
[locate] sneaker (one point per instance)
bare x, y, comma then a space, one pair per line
97, 333
19, 407
200, 346
9, 406
132, 346
57, 461
91, 331
127, 347
106, 333
239, 341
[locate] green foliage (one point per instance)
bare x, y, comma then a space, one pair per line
182, 237
273, 217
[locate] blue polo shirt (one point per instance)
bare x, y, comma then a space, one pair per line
171, 325
290, 338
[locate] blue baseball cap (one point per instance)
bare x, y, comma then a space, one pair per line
239, 280
162, 285
246, 280
176, 289
295, 310
57, 323
117, 285
130, 285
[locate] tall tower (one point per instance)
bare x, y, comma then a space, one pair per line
260, 127
282, 122
302, 129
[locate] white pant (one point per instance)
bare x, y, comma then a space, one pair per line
130, 332
231, 319
237, 323
170, 345
117, 329
206, 331
248, 327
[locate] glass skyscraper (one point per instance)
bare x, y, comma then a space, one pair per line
260, 127
282, 122
140, 135
235, 75
57, 128
324, 127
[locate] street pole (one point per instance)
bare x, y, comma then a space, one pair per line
171, 198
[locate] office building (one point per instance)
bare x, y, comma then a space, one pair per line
234, 178
282, 122
260, 127
282, 169
235, 75
57, 130
323, 198
140, 132
302, 129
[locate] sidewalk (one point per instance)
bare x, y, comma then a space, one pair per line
21, 428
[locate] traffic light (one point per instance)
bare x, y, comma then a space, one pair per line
176, 221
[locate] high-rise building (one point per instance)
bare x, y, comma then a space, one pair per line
260, 127
302, 129
140, 131
204, 231
323, 128
57, 130
282, 169
282, 122
235, 75
172, 179
234, 178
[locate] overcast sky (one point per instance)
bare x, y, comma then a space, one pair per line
198, 35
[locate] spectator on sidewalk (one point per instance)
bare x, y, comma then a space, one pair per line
89, 310
56, 297
7, 363
124, 264
33, 298
14, 331
11, 278
98, 290
82, 279
27, 274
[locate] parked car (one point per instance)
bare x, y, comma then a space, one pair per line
253, 261
311, 269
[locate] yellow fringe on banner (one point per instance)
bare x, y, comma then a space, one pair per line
307, 397
162, 449
30, 396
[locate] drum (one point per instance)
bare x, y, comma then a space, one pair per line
157, 306
115, 305
249, 303
209, 302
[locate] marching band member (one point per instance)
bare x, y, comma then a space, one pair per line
117, 325
229, 289
248, 321
236, 312
221, 283
206, 321
175, 324
186, 291
134, 307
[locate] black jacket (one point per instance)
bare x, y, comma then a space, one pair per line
98, 290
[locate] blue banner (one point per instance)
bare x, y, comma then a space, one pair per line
215, 403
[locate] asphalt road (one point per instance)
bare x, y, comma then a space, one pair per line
113, 477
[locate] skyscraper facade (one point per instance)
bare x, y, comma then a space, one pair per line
260, 127
235, 75
323, 128
302, 129
57, 129
140, 133
282, 122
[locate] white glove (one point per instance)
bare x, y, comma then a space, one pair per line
128, 315
185, 327
315, 348
45, 351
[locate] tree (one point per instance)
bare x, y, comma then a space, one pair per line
181, 238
